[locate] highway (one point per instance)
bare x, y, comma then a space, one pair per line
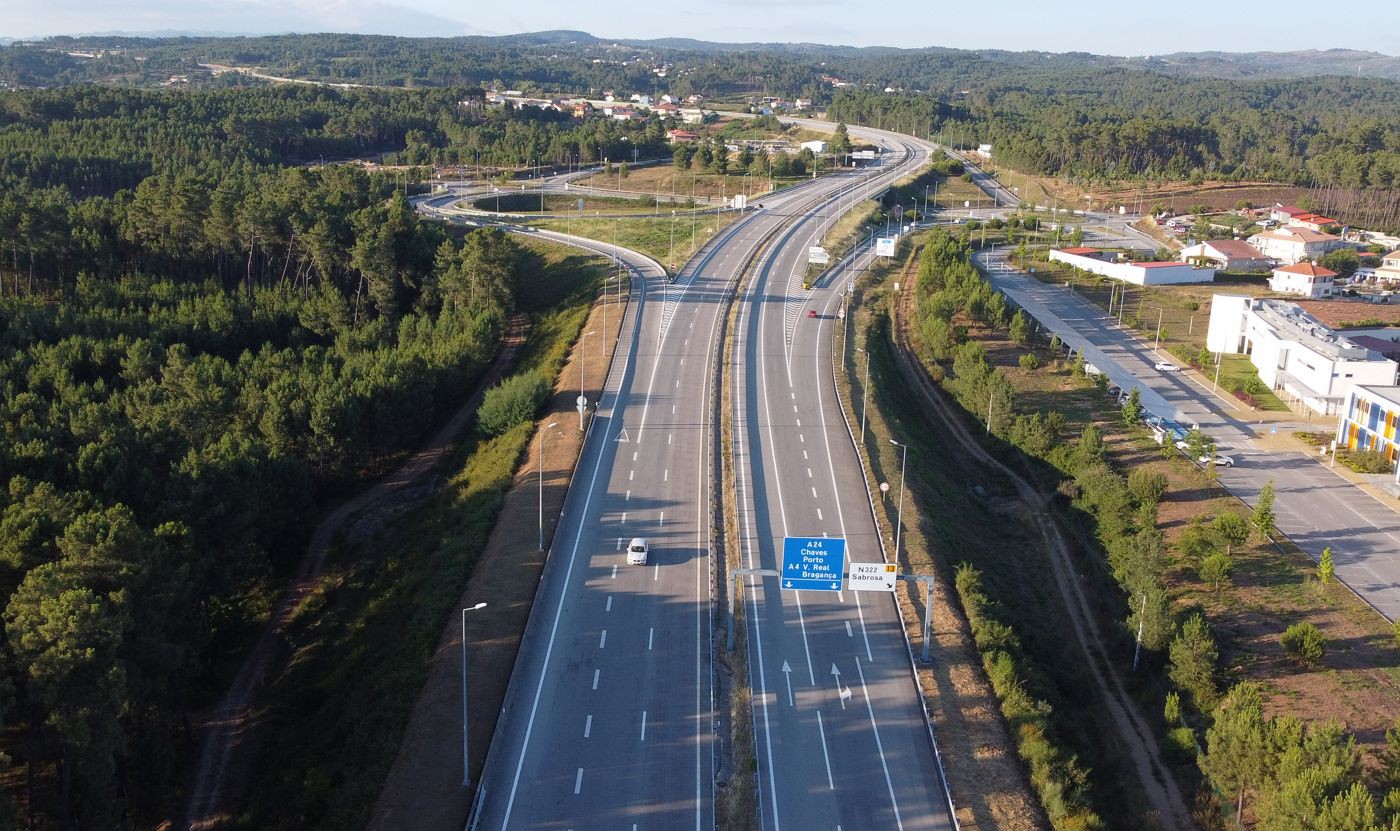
610, 716
842, 740
1315, 507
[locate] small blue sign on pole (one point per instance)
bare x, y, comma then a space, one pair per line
813, 563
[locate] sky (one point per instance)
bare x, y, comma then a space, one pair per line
1119, 27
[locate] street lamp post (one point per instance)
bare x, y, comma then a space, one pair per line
1158, 340
544, 435
466, 759
899, 523
582, 394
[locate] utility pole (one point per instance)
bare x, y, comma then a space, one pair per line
543, 436
864, 395
582, 395
466, 759
899, 523
1158, 340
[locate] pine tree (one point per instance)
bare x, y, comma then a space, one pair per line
1263, 517
1324, 567
1132, 408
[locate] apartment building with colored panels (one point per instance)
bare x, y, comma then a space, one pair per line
1369, 420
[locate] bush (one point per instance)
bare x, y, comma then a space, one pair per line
510, 402
1304, 643
1147, 486
1180, 744
1364, 461
1029, 361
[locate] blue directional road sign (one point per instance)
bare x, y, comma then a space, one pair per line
814, 564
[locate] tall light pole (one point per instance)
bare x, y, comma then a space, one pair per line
864, 394
899, 523
466, 759
582, 394
543, 435
1158, 340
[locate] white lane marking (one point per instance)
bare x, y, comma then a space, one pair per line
661, 520
804, 456
673, 409
588, 726
825, 755
849, 633
678, 382
799, 421
794, 395
619, 543
608, 608
596, 672
656, 573
814, 493
666, 475
668, 438
819, 514
809, 473
644, 725
614, 571
801, 438
650, 634
578, 780
794, 409
603, 640
634, 455
802, 624
879, 745
630, 474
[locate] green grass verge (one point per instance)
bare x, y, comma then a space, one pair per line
662, 238
361, 643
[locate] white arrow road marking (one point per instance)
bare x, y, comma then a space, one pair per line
842, 692
787, 674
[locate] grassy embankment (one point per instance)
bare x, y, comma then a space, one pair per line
360, 645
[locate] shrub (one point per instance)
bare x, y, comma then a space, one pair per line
1147, 486
1180, 744
510, 402
1304, 643
1029, 361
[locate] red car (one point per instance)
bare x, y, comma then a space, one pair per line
811, 312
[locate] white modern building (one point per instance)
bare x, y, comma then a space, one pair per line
1308, 364
1369, 420
1140, 274
1304, 279
817, 147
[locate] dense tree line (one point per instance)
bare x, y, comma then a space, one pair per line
195, 340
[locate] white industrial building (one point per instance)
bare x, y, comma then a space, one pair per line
1141, 274
1296, 355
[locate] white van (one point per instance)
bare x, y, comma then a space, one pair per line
637, 552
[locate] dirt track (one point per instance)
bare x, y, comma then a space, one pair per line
218, 780
1135, 734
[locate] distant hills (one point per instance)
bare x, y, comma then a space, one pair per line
1226, 65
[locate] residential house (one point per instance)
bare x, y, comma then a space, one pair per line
680, 136
1227, 255
1304, 279
582, 109
1293, 245
1310, 365
667, 110
1389, 272
1369, 420
1313, 222
802, 103
1282, 214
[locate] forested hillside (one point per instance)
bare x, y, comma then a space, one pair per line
197, 340
1083, 116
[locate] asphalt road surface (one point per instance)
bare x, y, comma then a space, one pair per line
609, 720
1315, 507
842, 739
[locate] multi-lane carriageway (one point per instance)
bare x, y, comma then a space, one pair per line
610, 718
